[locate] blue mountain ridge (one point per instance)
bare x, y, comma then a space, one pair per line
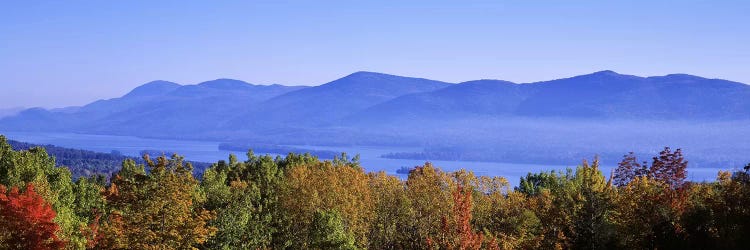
226, 107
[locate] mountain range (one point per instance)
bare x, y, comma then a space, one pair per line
601, 95
367, 108
362, 98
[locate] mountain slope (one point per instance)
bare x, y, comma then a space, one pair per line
332, 101
610, 95
191, 108
153, 108
10, 111
154, 88
353, 106
600, 95
490, 97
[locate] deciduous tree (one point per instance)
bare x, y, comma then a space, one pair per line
27, 221
157, 210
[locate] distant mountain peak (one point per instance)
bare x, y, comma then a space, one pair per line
383, 83
225, 83
605, 72
488, 82
363, 76
160, 83
681, 77
604, 76
153, 88
367, 74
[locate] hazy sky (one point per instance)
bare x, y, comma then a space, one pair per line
61, 53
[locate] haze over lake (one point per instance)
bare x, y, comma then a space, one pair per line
375, 125
492, 127
208, 151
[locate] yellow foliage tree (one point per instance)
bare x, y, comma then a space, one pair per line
155, 210
327, 186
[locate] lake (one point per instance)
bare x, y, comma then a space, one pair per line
208, 151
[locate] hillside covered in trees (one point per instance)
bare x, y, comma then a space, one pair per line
84, 163
301, 202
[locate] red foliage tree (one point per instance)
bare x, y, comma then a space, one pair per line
459, 234
669, 167
27, 220
92, 233
468, 239
628, 169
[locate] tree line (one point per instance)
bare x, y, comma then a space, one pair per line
88, 163
301, 202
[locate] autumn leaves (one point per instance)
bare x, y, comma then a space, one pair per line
301, 202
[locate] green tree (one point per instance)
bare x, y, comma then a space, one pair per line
574, 209
533, 183
328, 231
245, 219
89, 201
240, 224
34, 166
392, 225
592, 196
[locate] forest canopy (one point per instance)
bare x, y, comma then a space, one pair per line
301, 202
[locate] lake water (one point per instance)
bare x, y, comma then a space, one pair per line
208, 151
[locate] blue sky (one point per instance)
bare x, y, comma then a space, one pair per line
61, 53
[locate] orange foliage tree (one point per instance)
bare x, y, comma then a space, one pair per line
458, 232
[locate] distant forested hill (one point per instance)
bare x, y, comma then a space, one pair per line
84, 163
